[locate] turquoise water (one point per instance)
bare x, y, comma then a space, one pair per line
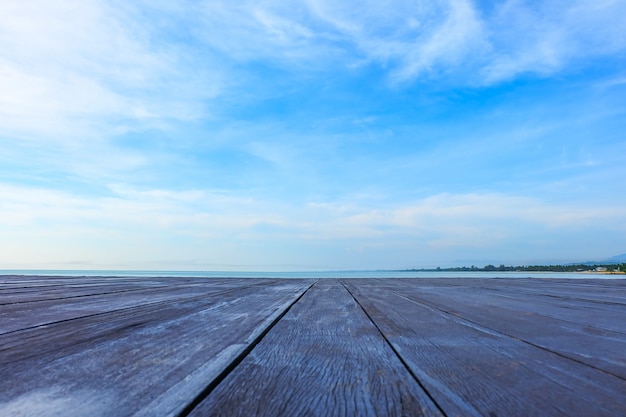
309, 274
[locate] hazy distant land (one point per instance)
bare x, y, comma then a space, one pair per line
599, 268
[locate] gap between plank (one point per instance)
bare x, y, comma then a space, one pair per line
404, 363
75, 296
129, 308
470, 323
237, 360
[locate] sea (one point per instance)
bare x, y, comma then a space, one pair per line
308, 274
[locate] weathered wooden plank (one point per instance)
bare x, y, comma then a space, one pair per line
541, 296
601, 291
36, 284
472, 371
151, 360
20, 315
149, 346
324, 358
14, 291
557, 331
593, 314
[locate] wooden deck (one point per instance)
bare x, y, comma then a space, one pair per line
297, 347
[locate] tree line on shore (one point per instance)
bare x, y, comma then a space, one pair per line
535, 268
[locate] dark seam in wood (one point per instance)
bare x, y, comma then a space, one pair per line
474, 323
587, 300
152, 304
237, 360
404, 363
549, 316
78, 296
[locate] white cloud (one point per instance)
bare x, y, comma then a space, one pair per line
83, 73
154, 226
127, 209
72, 68
415, 38
546, 37
467, 220
411, 38
224, 213
269, 31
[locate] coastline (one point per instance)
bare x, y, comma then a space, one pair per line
443, 274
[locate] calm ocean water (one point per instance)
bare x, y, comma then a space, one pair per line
308, 274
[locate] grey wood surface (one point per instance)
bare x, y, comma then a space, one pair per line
472, 369
594, 336
324, 358
147, 358
158, 346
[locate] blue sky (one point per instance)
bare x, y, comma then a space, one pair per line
310, 134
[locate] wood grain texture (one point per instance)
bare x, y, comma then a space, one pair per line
32, 308
471, 369
324, 358
594, 336
159, 346
151, 358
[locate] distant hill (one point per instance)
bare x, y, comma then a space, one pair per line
618, 259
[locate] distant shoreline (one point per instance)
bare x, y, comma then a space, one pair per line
599, 269
432, 273
517, 271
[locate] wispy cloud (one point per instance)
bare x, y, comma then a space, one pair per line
188, 220
544, 38
462, 40
481, 214
111, 68
311, 130
69, 69
411, 39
